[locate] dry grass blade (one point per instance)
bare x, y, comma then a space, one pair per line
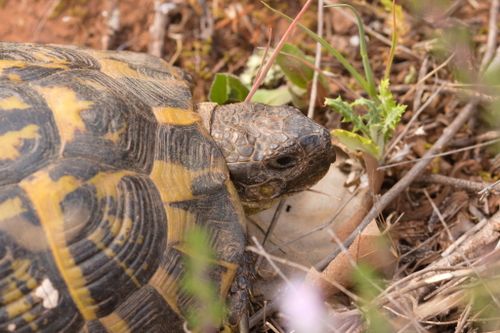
431, 156
468, 249
317, 61
112, 15
276, 51
461, 184
492, 35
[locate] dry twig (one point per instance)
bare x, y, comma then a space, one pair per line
460, 184
491, 43
414, 118
317, 62
420, 84
276, 51
112, 16
431, 156
158, 29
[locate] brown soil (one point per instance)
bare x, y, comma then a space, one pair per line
80, 22
237, 30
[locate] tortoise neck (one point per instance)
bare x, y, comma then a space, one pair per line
206, 112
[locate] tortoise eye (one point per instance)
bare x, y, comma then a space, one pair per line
283, 162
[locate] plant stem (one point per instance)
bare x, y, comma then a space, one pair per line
276, 51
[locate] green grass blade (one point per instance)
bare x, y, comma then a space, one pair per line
340, 58
394, 41
363, 50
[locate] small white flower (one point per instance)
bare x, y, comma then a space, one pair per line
304, 309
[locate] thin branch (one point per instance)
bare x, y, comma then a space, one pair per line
112, 15
417, 100
49, 10
317, 62
440, 216
485, 191
158, 28
491, 43
461, 184
449, 88
274, 220
266, 51
431, 73
270, 261
277, 50
430, 157
319, 227
261, 314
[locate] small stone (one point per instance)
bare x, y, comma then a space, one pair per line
354, 40
420, 131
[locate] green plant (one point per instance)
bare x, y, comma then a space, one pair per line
373, 128
368, 285
483, 296
209, 311
227, 88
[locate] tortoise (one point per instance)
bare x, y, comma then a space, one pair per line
105, 167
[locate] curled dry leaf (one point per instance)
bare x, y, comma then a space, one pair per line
370, 247
300, 233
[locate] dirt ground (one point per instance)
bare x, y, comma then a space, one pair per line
201, 51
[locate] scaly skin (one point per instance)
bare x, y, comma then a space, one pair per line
270, 151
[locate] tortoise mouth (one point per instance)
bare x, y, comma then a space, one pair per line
279, 184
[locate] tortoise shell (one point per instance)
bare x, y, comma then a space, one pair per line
104, 167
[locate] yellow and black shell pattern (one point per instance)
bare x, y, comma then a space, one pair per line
104, 168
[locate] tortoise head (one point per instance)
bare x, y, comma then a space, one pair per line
270, 150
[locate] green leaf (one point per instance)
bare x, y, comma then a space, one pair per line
299, 96
291, 61
373, 115
278, 96
227, 88
348, 113
390, 110
363, 51
355, 142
